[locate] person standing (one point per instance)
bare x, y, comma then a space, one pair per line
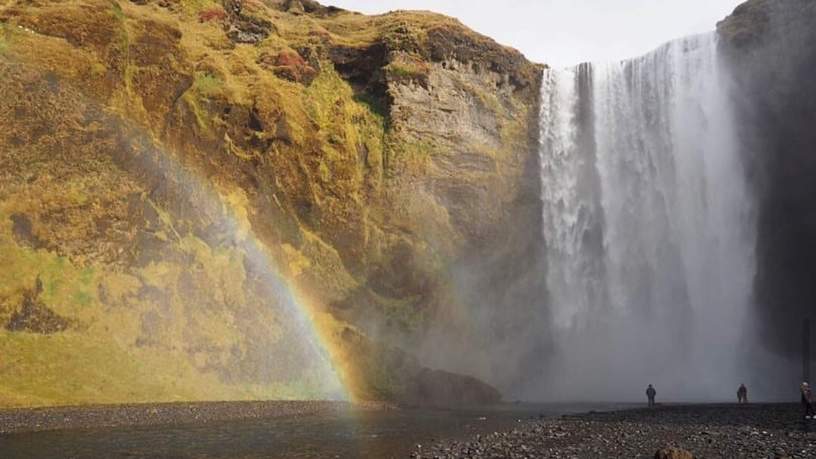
742, 394
650, 394
807, 400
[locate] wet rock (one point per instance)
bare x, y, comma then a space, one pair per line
442, 388
59, 418
696, 431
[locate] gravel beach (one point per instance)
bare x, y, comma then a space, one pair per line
92, 417
706, 431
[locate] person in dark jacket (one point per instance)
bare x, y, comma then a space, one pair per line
651, 393
807, 400
742, 394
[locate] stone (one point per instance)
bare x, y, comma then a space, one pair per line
673, 453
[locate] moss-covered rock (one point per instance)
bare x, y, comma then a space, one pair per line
158, 157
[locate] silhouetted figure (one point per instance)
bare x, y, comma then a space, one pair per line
807, 400
651, 393
742, 394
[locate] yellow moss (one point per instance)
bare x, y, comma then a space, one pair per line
68, 291
199, 114
98, 69
207, 84
408, 67
160, 274
296, 262
237, 204
117, 10
118, 286
72, 368
193, 7
4, 40
100, 364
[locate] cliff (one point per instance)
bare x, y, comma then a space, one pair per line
234, 200
769, 45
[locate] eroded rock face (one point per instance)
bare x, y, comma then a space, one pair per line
148, 151
769, 45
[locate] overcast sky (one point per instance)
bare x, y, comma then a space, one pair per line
566, 32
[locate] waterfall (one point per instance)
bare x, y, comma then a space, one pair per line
648, 225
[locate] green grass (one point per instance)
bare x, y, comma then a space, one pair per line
344, 119
207, 84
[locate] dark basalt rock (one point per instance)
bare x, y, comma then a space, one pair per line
363, 69
446, 43
35, 317
247, 29
769, 45
243, 28
443, 388
747, 24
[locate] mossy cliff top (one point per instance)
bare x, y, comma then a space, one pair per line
176, 175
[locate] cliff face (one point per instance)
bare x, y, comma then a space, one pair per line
769, 44
186, 187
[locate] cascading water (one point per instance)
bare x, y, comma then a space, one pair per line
648, 225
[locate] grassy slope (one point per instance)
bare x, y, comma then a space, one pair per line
126, 59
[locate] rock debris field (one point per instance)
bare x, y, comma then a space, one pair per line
101, 416
704, 431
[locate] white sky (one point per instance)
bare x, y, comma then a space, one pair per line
567, 32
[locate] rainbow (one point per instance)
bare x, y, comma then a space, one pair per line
229, 208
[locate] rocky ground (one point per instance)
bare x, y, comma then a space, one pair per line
41, 419
706, 431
